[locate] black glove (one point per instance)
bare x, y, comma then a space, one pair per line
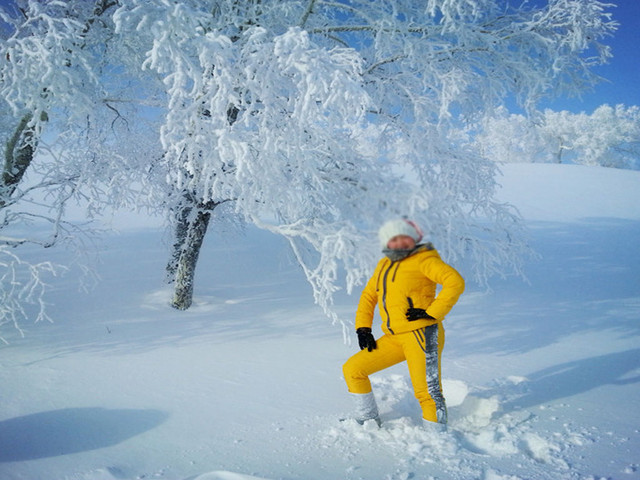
416, 313
365, 339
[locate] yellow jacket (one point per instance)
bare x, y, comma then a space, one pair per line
415, 277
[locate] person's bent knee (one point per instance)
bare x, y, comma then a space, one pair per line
357, 380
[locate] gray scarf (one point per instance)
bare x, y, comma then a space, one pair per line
397, 255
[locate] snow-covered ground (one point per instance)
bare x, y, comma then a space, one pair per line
542, 378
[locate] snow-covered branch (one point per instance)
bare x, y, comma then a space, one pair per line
22, 285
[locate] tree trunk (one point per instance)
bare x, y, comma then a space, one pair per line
191, 229
181, 230
17, 158
192, 220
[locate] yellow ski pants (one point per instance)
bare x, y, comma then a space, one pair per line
422, 349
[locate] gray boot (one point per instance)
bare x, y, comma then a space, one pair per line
434, 426
365, 408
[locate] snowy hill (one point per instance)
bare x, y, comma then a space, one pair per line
541, 377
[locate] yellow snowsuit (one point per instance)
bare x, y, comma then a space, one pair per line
394, 287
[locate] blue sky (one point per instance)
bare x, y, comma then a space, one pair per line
623, 70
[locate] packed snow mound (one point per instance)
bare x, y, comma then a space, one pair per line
477, 426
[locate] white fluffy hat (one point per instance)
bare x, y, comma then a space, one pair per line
396, 227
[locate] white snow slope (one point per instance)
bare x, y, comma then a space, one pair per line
542, 378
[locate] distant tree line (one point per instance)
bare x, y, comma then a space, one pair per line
608, 137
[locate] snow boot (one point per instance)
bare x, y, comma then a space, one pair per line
441, 424
365, 408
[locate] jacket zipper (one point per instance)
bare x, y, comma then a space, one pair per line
384, 296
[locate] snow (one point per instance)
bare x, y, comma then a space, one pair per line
541, 376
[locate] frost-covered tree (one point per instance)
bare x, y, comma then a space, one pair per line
63, 131
512, 138
318, 119
268, 104
609, 137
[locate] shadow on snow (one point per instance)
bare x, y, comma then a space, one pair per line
71, 430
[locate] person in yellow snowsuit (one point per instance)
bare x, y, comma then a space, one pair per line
403, 286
